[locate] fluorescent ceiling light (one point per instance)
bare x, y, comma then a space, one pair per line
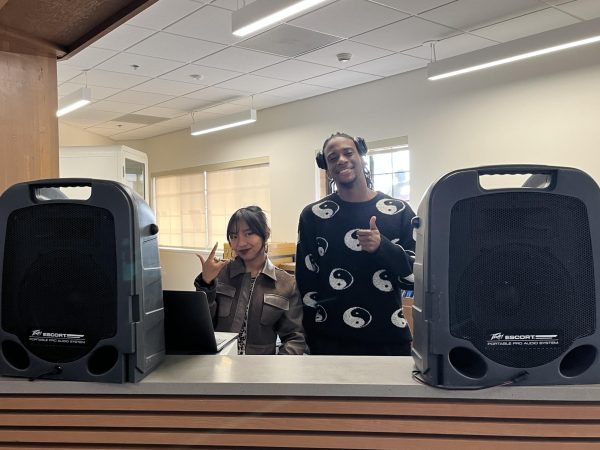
222, 123
73, 101
582, 33
262, 13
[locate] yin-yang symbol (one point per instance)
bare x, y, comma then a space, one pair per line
322, 246
351, 240
390, 206
310, 299
383, 281
311, 264
326, 209
398, 319
321, 314
340, 279
357, 317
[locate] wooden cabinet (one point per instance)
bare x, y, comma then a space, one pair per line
112, 162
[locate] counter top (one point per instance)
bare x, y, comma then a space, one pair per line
322, 376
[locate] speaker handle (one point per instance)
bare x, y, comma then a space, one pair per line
516, 169
540, 177
61, 182
49, 190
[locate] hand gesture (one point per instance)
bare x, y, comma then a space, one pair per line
211, 266
370, 239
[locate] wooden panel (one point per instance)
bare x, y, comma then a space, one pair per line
29, 128
28, 421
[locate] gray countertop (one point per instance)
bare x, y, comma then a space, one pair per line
329, 376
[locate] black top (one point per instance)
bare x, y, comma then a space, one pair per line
351, 296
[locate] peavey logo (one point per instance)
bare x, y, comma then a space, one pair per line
496, 339
56, 338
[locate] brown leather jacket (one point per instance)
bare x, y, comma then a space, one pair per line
275, 307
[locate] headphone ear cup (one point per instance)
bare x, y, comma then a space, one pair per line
320, 160
361, 146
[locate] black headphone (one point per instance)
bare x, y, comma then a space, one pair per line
361, 147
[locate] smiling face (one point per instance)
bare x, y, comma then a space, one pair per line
344, 164
246, 244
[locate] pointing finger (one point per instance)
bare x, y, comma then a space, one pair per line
214, 249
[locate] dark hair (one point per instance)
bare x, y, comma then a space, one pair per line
366, 170
256, 219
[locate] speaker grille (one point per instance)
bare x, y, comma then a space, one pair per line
59, 289
521, 275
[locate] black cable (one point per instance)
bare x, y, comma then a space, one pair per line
56, 370
417, 376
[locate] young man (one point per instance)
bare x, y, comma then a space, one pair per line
355, 251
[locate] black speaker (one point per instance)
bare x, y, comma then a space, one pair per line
361, 147
81, 288
505, 279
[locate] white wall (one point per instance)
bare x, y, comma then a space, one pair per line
542, 111
69, 135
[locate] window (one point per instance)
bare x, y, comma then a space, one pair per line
390, 169
193, 207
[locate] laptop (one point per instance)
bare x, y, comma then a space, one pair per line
188, 325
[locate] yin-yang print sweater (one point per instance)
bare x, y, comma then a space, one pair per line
350, 295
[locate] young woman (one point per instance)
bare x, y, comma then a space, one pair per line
248, 294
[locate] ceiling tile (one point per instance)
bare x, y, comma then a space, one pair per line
160, 112
360, 53
341, 79
113, 79
414, 6
240, 60
140, 98
231, 5
163, 13
584, 9
526, 25
251, 84
208, 75
122, 37
185, 104
167, 87
261, 101
469, 14
391, 65
90, 58
88, 116
65, 72
120, 126
287, 40
407, 33
209, 23
98, 92
299, 90
293, 70
227, 108
147, 66
178, 48
455, 45
348, 18
117, 107
215, 94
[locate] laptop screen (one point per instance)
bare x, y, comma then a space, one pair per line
188, 324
